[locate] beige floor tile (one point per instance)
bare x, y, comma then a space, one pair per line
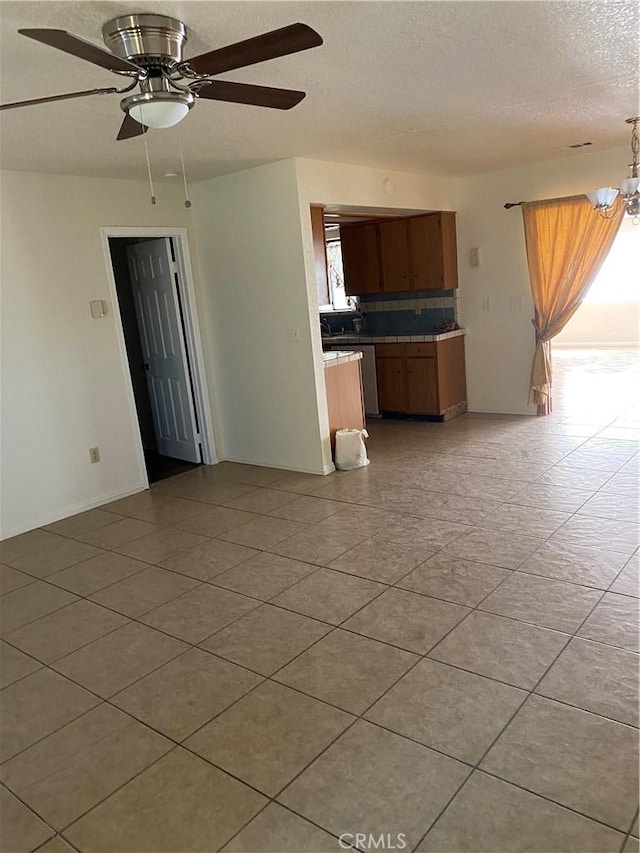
15, 665
209, 559
454, 579
406, 619
587, 566
204, 490
161, 545
307, 510
506, 550
84, 522
97, 573
379, 561
509, 651
266, 638
346, 670
596, 678
11, 579
21, 831
170, 510
19, 546
456, 712
144, 591
261, 501
181, 803
527, 520
269, 736
574, 478
56, 845
215, 520
557, 751
113, 662
276, 828
133, 504
455, 508
374, 781
614, 622
429, 534
548, 603
317, 545
65, 630
51, 558
611, 505
555, 498
592, 532
31, 602
120, 533
473, 486
264, 575
358, 521
628, 582
196, 615
73, 769
263, 532
185, 693
304, 484
489, 815
329, 596
631, 845
27, 717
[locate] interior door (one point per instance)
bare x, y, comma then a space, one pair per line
153, 279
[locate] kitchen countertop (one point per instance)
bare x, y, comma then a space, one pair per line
391, 339
334, 357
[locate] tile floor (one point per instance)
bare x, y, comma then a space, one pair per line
440, 649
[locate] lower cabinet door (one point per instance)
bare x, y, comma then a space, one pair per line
422, 386
391, 384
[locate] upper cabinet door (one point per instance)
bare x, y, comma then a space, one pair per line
434, 251
395, 257
360, 259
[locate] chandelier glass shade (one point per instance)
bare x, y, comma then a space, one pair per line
604, 198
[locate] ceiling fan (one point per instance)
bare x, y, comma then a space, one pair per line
148, 49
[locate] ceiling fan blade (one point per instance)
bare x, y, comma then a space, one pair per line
130, 128
270, 45
62, 40
107, 91
258, 96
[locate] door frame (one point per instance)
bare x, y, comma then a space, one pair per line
193, 339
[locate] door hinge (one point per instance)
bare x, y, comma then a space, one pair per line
198, 438
174, 267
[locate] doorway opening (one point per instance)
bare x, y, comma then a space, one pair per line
150, 285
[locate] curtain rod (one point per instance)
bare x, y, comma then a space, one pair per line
511, 204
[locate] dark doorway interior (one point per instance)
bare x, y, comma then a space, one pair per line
159, 467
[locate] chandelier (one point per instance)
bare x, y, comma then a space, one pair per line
603, 199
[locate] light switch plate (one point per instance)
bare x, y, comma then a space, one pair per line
98, 308
474, 257
487, 304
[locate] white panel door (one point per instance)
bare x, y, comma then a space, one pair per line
151, 269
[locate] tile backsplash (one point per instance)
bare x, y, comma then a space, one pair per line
400, 313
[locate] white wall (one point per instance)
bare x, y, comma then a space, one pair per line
249, 241
336, 184
500, 342
63, 384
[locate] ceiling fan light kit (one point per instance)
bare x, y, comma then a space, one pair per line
603, 199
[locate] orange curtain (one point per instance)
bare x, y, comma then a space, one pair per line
567, 241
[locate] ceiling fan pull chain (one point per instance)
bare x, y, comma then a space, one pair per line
146, 151
187, 200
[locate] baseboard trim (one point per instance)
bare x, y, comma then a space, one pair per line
591, 345
327, 469
74, 509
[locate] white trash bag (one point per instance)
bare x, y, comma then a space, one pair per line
351, 451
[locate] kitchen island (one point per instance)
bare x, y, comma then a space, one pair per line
343, 380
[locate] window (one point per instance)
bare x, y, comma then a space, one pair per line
339, 299
617, 279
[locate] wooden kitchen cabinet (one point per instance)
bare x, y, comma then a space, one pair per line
415, 253
422, 378
360, 262
395, 260
434, 253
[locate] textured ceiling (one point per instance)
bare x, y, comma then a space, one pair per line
452, 87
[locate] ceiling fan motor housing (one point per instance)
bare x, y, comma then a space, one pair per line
146, 40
